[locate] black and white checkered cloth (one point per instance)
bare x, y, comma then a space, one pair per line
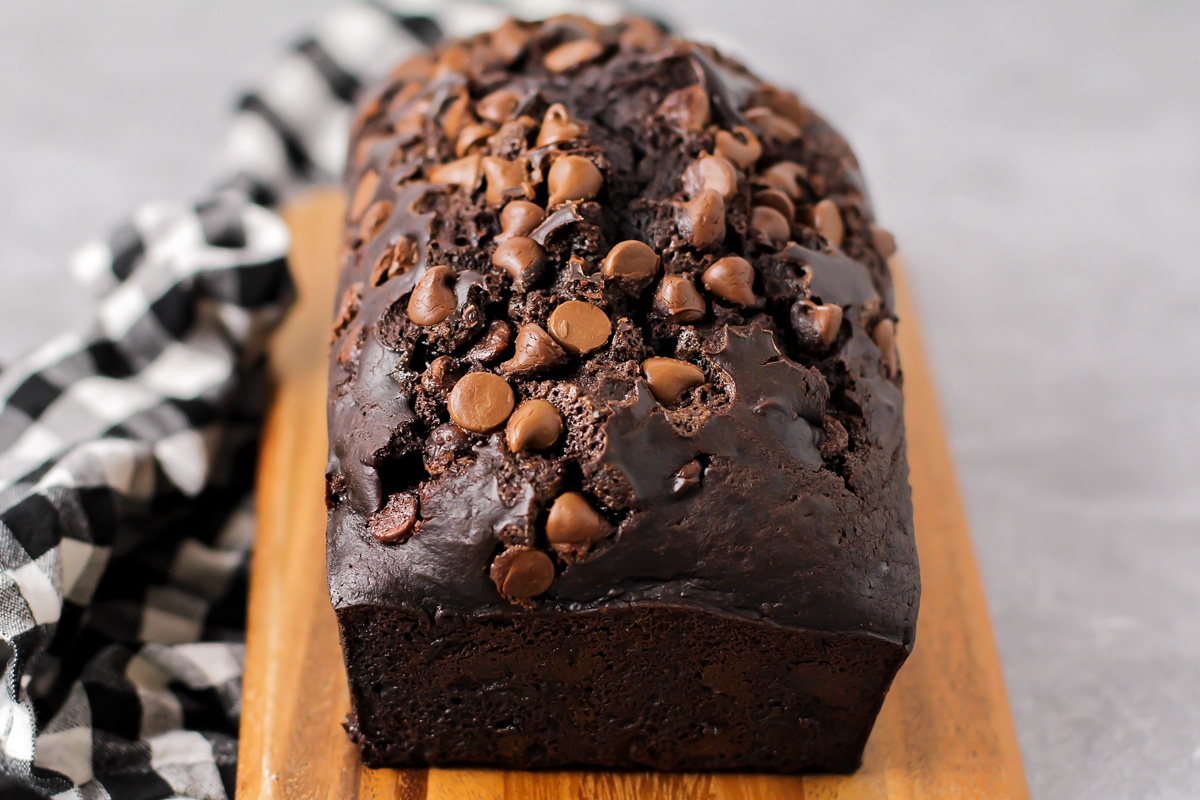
127, 452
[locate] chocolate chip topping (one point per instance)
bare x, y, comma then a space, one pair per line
432, 299
632, 260
463, 173
786, 176
884, 242
396, 260
777, 200
394, 523
522, 573
711, 172
363, 194
573, 178
827, 219
687, 109
579, 327
677, 298
669, 378
522, 258
740, 146
773, 125
506, 179
480, 402
569, 55
557, 126
573, 523
535, 425
884, 337
374, 219
816, 325
472, 136
492, 344
640, 34
702, 219
498, 107
519, 218
769, 228
535, 349
731, 278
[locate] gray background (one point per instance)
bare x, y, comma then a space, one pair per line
1040, 163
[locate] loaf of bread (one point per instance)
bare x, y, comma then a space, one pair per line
617, 468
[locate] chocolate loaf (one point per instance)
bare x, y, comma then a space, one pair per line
617, 467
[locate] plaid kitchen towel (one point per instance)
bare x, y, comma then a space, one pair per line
127, 451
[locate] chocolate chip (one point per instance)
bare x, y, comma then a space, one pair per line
375, 218
740, 146
480, 402
347, 354
640, 34
522, 573
454, 59
432, 299
816, 326
522, 258
565, 214
678, 298
579, 327
834, 438
687, 479
773, 198
827, 219
506, 179
769, 228
787, 105
572, 54
884, 337
394, 523
534, 351
557, 126
631, 260
701, 220
396, 260
688, 109
669, 378
772, 124
499, 106
573, 178
440, 376
535, 425
463, 172
885, 243
492, 344
348, 307
786, 176
473, 135
364, 193
519, 218
711, 172
731, 278
509, 41
573, 524
456, 115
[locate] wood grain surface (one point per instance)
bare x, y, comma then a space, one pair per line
945, 730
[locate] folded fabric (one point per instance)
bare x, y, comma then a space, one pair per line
127, 451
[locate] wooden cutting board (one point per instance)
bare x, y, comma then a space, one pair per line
945, 730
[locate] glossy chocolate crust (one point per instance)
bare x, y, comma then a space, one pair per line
734, 582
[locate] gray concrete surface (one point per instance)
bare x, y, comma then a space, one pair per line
1040, 163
